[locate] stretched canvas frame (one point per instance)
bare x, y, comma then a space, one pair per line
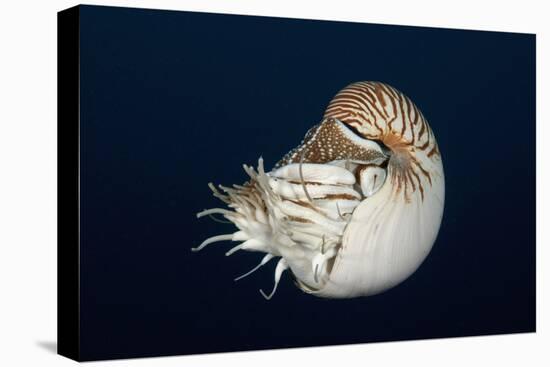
154, 105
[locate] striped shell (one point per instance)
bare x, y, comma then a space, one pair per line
355, 208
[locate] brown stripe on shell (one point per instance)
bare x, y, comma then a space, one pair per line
414, 132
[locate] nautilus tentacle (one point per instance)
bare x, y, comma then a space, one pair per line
355, 208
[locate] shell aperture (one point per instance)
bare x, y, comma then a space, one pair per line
351, 211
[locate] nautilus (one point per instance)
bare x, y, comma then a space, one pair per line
354, 209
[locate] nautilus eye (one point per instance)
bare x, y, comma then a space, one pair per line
354, 209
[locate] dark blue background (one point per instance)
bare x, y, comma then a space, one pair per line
172, 100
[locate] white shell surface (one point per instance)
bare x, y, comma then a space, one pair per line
385, 242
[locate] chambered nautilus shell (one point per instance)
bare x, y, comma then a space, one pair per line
355, 208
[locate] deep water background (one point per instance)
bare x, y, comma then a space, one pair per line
171, 101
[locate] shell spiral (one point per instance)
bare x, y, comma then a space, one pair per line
397, 227
356, 207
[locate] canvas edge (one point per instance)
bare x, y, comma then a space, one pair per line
68, 185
